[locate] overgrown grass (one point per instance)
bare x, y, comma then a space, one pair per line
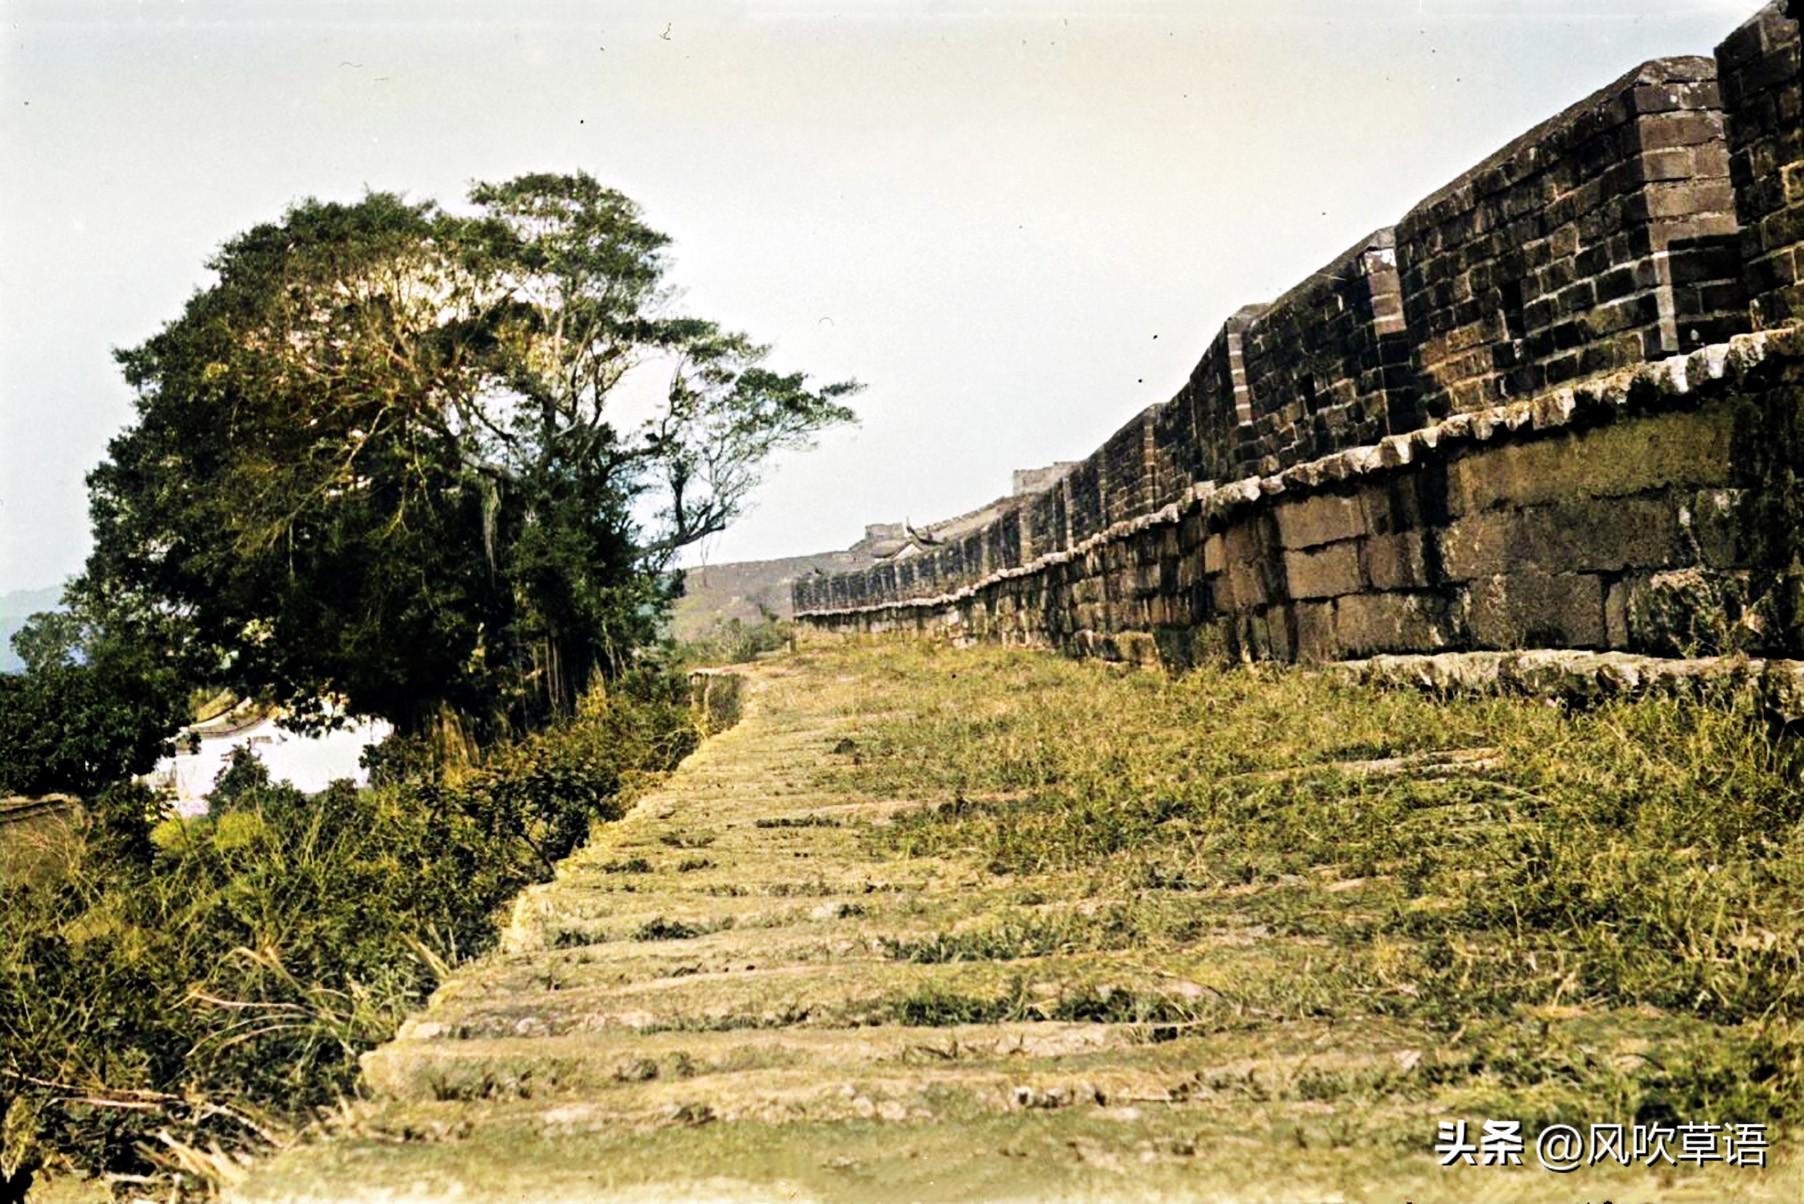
190, 987
1643, 858
735, 641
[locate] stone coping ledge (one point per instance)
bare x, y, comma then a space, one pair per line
1581, 675
1596, 400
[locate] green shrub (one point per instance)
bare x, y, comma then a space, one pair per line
94, 705
215, 978
735, 641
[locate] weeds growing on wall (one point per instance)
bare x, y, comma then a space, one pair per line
1634, 867
191, 987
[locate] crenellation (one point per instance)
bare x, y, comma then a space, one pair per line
1223, 402
1128, 486
1024, 482
1613, 515
1328, 364
1002, 540
1602, 238
973, 565
1047, 531
1760, 66
1175, 449
1086, 512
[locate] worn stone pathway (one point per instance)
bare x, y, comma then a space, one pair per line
705, 1005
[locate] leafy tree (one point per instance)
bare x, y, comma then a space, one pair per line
96, 704
380, 460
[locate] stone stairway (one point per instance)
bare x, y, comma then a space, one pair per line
708, 1003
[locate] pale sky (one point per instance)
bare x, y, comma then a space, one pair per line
1018, 222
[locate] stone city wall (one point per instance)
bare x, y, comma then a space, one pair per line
1533, 414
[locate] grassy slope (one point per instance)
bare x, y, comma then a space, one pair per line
984, 924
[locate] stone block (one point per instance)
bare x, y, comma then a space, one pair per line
1323, 572
1392, 622
1248, 584
1393, 562
1687, 448
1403, 501
1616, 615
1597, 535
1215, 553
1136, 648
1267, 634
1689, 612
1255, 537
1535, 610
1190, 532
1188, 571
1322, 518
1713, 521
1315, 632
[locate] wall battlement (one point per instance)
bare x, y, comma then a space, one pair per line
1327, 364
1760, 85
1407, 452
1602, 238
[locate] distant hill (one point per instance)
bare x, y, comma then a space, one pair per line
17, 606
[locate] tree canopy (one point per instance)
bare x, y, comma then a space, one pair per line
95, 704
381, 460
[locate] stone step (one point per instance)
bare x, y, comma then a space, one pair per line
1148, 1063
728, 872
786, 1052
570, 918
959, 1151
670, 937
775, 1094
428, 1063
874, 990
